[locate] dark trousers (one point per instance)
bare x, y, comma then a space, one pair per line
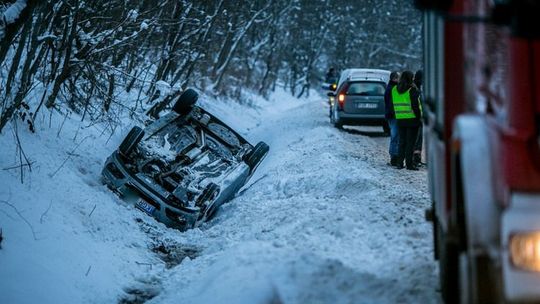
407, 141
419, 139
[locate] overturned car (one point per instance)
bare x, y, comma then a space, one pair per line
182, 166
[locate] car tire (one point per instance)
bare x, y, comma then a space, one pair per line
131, 141
386, 128
256, 155
335, 119
186, 101
338, 124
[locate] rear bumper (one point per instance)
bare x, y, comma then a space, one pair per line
361, 119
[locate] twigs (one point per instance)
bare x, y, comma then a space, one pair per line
251, 185
44, 213
29, 165
21, 216
22, 154
62, 125
89, 215
69, 156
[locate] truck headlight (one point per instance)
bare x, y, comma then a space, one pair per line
525, 250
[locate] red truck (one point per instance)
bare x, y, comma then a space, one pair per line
482, 99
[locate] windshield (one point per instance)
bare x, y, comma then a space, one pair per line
367, 88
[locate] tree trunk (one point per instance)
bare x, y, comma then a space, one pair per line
64, 74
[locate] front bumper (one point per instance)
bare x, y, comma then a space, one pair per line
522, 216
128, 185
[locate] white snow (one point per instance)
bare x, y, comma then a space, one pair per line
323, 220
144, 26
13, 12
10, 15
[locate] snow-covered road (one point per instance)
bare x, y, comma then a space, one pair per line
323, 220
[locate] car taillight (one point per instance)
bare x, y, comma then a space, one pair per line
341, 100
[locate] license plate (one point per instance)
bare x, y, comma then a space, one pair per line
146, 207
367, 105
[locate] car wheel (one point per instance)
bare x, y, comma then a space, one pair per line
255, 156
336, 120
131, 141
186, 101
386, 128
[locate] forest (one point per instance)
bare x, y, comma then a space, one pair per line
98, 58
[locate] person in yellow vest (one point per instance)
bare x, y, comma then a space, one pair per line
408, 111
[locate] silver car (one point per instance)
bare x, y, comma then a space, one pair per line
359, 98
183, 166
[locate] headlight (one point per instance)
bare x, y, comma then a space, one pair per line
525, 250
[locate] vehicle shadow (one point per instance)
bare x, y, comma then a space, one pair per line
370, 133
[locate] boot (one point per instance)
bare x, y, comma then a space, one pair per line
417, 158
398, 162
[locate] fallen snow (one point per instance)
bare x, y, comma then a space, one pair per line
13, 12
10, 15
323, 220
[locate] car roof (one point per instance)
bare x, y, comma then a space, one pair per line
364, 74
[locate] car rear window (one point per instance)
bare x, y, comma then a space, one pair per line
367, 88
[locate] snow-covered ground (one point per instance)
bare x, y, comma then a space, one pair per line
323, 220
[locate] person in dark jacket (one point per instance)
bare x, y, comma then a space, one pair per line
390, 117
408, 111
331, 76
417, 154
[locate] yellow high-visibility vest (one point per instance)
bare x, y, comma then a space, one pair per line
402, 104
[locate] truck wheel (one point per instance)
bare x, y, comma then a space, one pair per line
477, 284
131, 141
186, 101
448, 267
256, 155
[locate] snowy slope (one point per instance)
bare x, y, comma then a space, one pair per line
323, 220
